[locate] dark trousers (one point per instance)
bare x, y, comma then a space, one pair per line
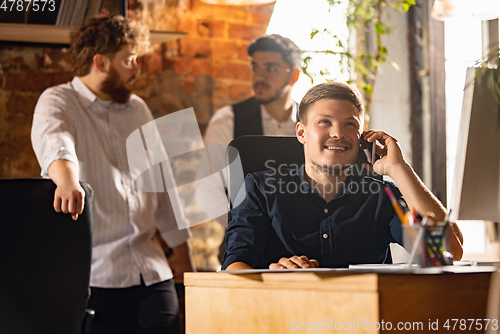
138, 309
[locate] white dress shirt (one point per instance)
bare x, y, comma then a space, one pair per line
220, 131
72, 123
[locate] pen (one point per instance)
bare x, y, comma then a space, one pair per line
396, 205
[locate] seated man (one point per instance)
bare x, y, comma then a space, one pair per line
324, 214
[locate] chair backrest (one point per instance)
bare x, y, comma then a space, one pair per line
45, 260
259, 153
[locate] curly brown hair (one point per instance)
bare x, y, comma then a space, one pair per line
105, 35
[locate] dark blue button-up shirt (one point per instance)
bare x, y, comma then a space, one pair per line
282, 216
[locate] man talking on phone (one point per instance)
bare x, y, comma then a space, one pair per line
325, 214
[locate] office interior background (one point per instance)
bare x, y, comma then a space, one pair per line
419, 103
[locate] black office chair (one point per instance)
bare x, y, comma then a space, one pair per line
45, 260
258, 153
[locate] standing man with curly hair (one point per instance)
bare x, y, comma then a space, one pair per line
79, 134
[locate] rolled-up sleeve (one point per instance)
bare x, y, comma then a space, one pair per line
53, 132
249, 228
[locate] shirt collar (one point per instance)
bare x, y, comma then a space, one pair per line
293, 117
352, 188
87, 97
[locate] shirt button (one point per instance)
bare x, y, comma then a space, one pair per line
326, 210
325, 236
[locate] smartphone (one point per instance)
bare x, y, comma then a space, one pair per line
367, 155
369, 151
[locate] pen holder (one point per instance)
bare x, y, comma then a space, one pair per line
427, 245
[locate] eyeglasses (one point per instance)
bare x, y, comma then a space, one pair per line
269, 69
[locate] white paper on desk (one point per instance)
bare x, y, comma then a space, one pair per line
281, 271
380, 266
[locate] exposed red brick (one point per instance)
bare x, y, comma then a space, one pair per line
225, 49
244, 31
240, 91
194, 47
193, 67
211, 28
133, 5
20, 106
233, 13
229, 49
56, 59
152, 63
188, 23
187, 85
164, 18
142, 83
221, 89
35, 81
232, 70
202, 109
24, 166
17, 58
260, 18
262, 14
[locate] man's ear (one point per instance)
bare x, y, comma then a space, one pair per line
300, 131
294, 77
101, 63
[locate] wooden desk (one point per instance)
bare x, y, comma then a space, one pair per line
276, 303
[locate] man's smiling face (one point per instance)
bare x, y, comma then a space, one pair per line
331, 135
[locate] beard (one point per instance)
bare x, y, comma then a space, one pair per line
115, 87
280, 92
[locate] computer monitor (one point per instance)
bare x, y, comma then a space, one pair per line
476, 183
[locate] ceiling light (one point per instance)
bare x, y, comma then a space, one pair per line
477, 9
238, 2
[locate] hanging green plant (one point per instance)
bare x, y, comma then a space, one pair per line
488, 65
362, 17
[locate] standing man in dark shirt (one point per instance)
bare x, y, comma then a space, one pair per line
321, 214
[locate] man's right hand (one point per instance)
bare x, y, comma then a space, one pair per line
69, 199
69, 196
294, 262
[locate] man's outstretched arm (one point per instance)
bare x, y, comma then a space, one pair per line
415, 193
69, 196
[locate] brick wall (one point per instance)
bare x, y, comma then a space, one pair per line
205, 70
